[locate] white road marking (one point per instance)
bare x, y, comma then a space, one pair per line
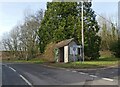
82, 73
74, 71
107, 79
12, 69
25, 80
93, 76
67, 70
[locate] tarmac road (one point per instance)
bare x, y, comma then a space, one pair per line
37, 74
10, 77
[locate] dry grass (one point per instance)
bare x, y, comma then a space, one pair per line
49, 52
106, 53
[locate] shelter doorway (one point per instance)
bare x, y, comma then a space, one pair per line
61, 54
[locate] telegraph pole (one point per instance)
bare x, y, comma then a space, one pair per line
82, 31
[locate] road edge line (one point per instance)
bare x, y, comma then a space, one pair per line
94, 76
12, 69
82, 73
74, 71
25, 80
108, 79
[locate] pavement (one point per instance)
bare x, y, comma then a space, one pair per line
37, 74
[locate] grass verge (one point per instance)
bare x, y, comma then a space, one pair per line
35, 60
100, 63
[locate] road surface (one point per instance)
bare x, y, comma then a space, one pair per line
37, 74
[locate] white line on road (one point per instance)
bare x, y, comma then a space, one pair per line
67, 70
82, 73
93, 76
12, 69
25, 80
107, 79
74, 71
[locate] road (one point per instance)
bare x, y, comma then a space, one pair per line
37, 74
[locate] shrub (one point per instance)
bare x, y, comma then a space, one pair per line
115, 48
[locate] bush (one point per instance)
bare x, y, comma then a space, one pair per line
115, 48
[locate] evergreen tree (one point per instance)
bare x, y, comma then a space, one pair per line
62, 20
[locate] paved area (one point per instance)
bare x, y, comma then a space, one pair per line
37, 74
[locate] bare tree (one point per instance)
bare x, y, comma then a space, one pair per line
23, 40
108, 32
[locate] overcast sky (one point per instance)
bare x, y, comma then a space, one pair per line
12, 12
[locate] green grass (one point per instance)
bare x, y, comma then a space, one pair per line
75, 66
100, 63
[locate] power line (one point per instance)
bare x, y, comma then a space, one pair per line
105, 19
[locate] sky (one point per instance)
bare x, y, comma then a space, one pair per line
12, 12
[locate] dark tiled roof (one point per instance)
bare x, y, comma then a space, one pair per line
63, 43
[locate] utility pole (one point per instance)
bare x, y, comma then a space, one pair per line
119, 18
82, 31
